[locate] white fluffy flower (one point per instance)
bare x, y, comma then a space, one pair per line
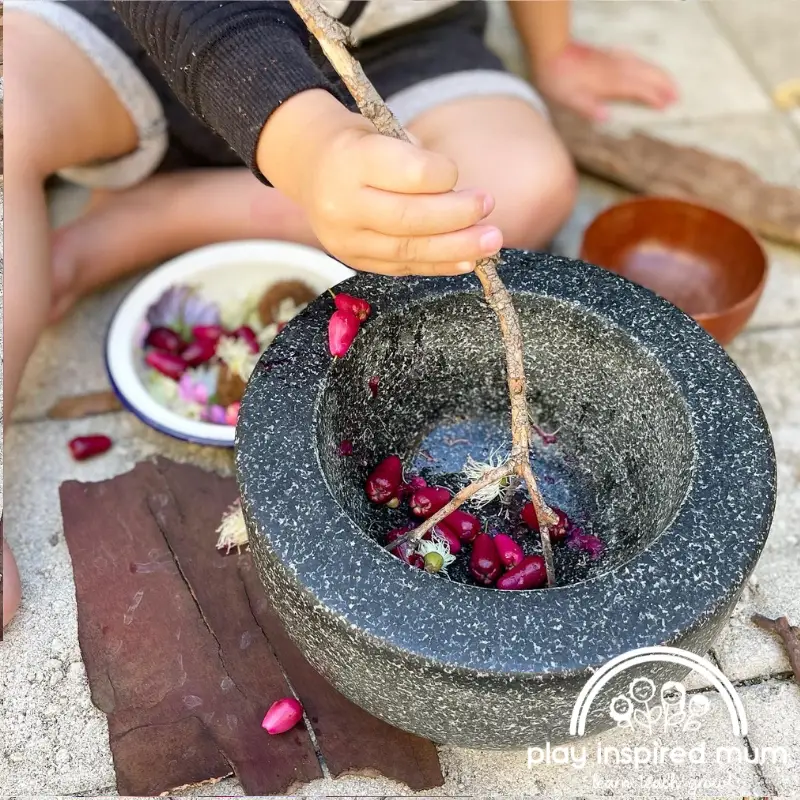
232, 530
475, 470
437, 544
237, 356
239, 310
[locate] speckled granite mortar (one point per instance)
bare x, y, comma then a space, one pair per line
662, 448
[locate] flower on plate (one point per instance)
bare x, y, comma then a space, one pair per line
162, 389
198, 385
182, 308
216, 414
241, 310
237, 356
232, 414
267, 334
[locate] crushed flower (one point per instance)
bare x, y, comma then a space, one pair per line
237, 356
232, 532
578, 540
475, 470
208, 384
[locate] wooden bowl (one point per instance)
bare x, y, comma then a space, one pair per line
707, 264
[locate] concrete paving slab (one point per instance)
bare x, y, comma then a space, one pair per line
484, 773
687, 41
507, 773
773, 714
745, 651
794, 117
780, 304
594, 196
765, 33
770, 360
501, 36
52, 739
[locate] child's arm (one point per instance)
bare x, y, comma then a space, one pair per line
376, 203
578, 76
232, 63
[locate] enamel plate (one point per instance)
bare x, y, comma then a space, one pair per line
219, 271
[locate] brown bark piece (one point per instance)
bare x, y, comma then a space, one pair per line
352, 741
180, 645
184, 701
652, 166
85, 405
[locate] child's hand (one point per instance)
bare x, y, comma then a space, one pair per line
378, 204
584, 78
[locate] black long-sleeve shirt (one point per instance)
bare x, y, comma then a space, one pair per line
230, 63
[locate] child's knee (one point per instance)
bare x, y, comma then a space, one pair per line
542, 199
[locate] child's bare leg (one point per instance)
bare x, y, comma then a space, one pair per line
58, 111
505, 146
165, 215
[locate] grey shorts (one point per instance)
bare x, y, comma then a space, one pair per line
416, 68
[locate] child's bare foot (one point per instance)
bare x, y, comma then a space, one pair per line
66, 246
64, 290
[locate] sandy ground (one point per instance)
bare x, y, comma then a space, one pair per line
728, 58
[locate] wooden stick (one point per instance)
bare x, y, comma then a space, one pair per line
333, 38
488, 479
790, 635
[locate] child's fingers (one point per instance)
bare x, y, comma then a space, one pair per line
397, 166
411, 268
423, 215
471, 244
589, 105
637, 79
635, 88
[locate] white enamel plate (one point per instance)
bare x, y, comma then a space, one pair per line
220, 272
